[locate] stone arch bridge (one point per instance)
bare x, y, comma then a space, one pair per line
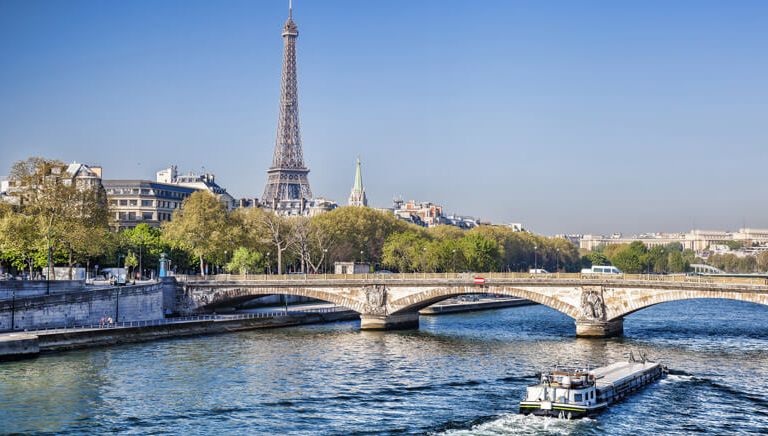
598, 305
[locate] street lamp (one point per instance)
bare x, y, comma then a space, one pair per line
535, 258
558, 261
117, 280
325, 259
454, 260
664, 263
269, 265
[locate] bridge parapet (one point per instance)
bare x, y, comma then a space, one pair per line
469, 278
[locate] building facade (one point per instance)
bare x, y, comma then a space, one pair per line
84, 177
427, 213
202, 182
696, 240
133, 202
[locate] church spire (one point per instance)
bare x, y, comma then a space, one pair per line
357, 196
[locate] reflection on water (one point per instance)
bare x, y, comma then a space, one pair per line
458, 374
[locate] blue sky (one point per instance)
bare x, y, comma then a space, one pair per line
572, 116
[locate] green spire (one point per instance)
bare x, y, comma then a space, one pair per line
357, 196
358, 186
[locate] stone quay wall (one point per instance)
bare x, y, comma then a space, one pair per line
10, 289
122, 303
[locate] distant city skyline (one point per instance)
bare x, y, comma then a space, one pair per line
586, 117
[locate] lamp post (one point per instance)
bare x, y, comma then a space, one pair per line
666, 266
117, 279
269, 265
558, 261
453, 267
535, 259
325, 260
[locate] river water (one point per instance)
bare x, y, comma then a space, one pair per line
458, 374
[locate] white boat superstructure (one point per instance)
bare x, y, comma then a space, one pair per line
575, 393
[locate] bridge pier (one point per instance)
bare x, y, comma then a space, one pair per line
600, 329
401, 321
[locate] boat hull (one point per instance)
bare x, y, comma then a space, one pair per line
556, 410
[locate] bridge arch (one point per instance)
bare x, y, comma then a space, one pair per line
635, 304
428, 297
207, 298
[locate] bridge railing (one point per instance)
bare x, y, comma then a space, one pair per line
469, 277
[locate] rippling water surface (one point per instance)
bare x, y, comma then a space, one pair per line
459, 374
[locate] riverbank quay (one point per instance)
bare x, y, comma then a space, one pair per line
20, 345
473, 306
30, 307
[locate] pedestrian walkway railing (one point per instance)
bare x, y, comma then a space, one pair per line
188, 319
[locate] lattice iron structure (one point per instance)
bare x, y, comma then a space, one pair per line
287, 177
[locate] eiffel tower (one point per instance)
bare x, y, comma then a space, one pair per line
287, 177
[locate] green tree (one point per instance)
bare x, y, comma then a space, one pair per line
356, 229
201, 227
480, 252
147, 241
596, 258
40, 188
69, 213
20, 240
245, 261
405, 251
762, 262
446, 255
131, 262
676, 263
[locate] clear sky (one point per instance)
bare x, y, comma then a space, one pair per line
572, 116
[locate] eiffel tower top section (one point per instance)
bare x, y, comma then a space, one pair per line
287, 177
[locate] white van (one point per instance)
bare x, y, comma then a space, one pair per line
538, 271
601, 269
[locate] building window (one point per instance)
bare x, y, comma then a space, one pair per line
146, 203
131, 216
123, 202
145, 192
133, 202
146, 216
113, 202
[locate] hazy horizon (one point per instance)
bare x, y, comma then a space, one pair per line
588, 117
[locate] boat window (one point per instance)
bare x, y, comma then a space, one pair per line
577, 397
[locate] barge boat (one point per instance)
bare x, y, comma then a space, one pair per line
577, 393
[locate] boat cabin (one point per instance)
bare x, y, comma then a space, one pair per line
565, 386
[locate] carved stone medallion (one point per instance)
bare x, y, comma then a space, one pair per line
375, 299
592, 303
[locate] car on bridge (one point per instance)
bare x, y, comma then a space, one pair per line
601, 269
